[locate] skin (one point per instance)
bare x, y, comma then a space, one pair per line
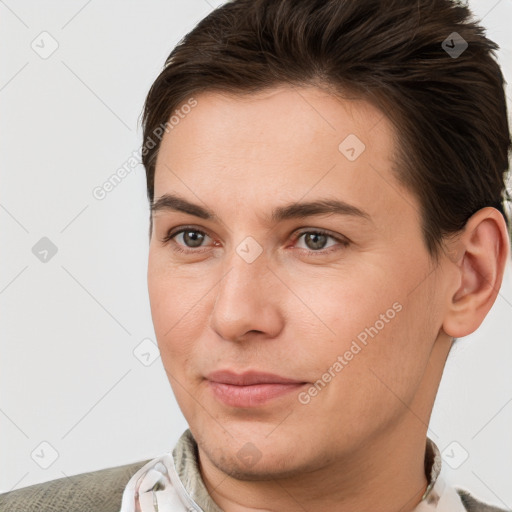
297, 307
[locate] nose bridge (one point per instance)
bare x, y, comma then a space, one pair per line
247, 268
243, 300
243, 282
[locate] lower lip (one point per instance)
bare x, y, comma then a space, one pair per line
250, 396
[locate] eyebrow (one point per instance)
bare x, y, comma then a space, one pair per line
173, 202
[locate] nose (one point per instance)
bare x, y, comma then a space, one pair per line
248, 300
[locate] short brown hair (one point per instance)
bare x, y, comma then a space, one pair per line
449, 111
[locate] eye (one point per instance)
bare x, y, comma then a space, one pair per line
315, 241
190, 238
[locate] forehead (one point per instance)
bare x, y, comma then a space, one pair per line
280, 144
284, 118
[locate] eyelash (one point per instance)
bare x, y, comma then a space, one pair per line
177, 248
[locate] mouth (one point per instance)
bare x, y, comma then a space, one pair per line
250, 389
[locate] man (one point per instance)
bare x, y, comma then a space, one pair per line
326, 181
327, 216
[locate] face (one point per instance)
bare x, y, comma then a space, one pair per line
344, 303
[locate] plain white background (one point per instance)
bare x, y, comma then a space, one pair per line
71, 327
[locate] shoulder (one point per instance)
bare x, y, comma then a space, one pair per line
473, 504
100, 491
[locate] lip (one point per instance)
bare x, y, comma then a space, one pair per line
250, 389
248, 378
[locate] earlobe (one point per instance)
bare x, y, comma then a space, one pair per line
484, 247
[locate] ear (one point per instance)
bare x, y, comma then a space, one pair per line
482, 251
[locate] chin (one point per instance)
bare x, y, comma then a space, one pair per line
262, 470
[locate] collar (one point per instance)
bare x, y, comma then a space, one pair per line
173, 483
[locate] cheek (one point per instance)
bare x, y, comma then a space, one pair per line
176, 323
364, 385
172, 294
361, 306
379, 331
173, 312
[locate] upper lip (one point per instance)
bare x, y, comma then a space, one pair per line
249, 378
